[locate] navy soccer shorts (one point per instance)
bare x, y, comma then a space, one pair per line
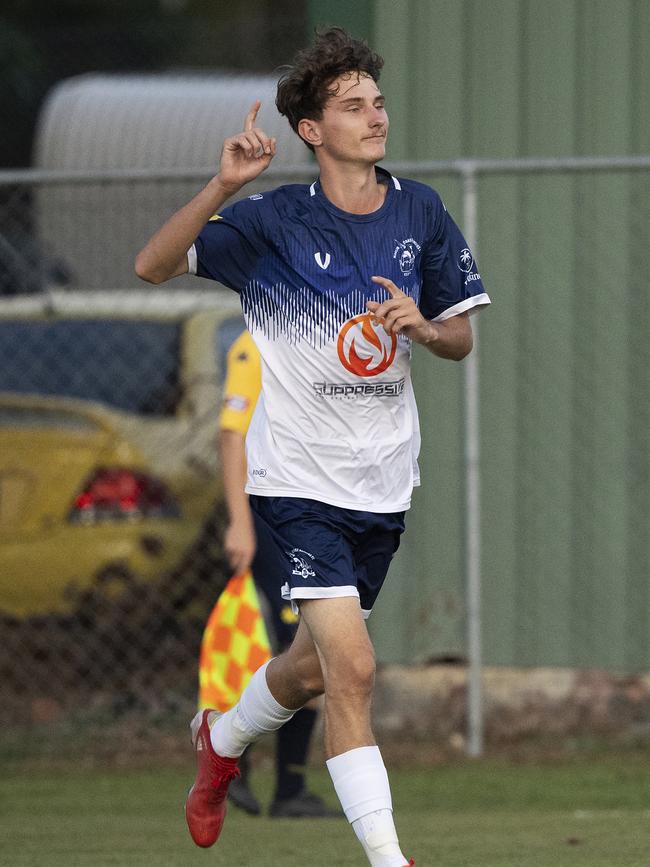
311, 550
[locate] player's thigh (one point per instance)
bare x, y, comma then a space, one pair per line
339, 633
301, 663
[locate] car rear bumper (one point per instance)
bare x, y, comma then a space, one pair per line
49, 574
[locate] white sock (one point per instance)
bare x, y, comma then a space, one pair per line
255, 714
361, 783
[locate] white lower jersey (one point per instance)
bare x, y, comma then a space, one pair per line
336, 436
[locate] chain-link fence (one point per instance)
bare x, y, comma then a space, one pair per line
110, 516
109, 498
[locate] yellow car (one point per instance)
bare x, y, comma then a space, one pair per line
108, 464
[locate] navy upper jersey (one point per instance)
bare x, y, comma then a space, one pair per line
337, 420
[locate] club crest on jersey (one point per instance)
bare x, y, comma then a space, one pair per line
323, 263
405, 253
364, 348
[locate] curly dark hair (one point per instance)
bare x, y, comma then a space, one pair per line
305, 87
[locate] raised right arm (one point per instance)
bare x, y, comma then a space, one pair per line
165, 255
243, 158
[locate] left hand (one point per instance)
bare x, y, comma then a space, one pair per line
399, 314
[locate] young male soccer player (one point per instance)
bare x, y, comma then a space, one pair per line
337, 280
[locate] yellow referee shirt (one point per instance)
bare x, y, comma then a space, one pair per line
242, 385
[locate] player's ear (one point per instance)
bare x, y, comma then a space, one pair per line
308, 131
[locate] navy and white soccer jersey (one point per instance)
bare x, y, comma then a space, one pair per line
337, 420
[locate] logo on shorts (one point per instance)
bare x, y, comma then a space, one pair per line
364, 348
301, 566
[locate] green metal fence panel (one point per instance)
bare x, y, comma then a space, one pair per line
507, 77
357, 17
564, 357
564, 418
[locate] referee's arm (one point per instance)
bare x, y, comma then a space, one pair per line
242, 388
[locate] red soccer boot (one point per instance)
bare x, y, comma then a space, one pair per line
205, 807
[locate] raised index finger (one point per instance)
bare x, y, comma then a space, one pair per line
249, 123
389, 286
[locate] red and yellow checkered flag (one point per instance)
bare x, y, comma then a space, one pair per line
234, 644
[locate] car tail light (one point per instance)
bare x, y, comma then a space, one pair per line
116, 494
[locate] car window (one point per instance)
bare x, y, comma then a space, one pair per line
130, 365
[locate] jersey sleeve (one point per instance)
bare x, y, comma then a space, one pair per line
242, 385
229, 245
451, 281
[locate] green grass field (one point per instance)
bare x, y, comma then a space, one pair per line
583, 812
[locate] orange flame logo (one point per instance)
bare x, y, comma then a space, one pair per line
364, 348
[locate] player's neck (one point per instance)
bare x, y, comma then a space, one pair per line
354, 189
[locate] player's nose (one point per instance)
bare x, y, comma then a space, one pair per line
377, 118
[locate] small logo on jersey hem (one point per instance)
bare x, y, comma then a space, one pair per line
323, 263
301, 566
405, 253
261, 472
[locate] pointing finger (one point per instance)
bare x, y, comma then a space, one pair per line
389, 286
249, 123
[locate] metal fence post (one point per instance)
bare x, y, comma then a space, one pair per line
472, 495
